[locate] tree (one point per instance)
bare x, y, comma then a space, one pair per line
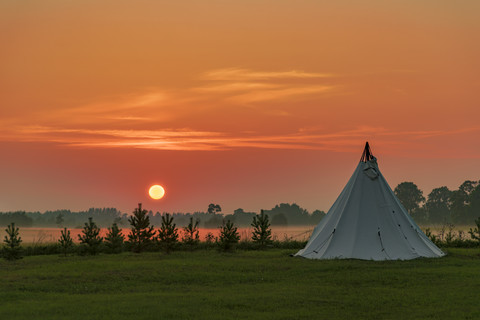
438, 205
12, 249
317, 216
214, 208
168, 233
262, 234
410, 196
90, 237
65, 241
474, 199
114, 239
191, 233
141, 233
475, 233
229, 236
463, 202
59, 219
209, 238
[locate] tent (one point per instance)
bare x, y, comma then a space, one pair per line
367, 221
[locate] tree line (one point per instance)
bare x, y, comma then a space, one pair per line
442, 205
283, 214
143, 236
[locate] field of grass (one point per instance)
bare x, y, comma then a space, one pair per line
206, 284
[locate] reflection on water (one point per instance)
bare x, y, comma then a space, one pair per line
49, 235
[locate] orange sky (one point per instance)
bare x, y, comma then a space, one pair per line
246, 104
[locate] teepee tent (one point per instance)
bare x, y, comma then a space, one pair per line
367, 221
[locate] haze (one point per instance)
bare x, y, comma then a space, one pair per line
245, 104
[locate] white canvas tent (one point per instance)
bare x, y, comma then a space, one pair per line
367, 221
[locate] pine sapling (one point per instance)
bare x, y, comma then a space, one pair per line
209, 239
65, 241
262, 234
229, 236
191, 234
167, 234
114, 239
90, 237
141, 232
12, 249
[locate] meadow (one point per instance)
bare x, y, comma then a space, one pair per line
246, 284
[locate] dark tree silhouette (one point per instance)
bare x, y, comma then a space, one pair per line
114, 239
475, 233
12, 249
65, 241
190, 233
229, 236
463, 202
168, 233
141, 233
262, 234
410, 196
90, 237
59, 219
214, 208
438, 205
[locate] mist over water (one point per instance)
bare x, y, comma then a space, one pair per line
49, 235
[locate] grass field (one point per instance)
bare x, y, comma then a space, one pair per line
206, 284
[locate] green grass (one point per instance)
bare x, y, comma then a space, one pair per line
205, 284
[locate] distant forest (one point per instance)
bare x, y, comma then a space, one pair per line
281, 215
441, 206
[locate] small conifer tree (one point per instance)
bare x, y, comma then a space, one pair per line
168, 233
229, 236
209, 238
262, 234
191, 234
65, 241
90, 237
141, 232
114, 239
12, 249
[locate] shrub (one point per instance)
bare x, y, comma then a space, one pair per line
167, 234
65, 242
475, 233
432, 237
262, 234
229, 236
90, 237
12, 249
141, 233
114, 239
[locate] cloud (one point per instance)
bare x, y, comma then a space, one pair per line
193, 140
239, 74
243, 86
278, 94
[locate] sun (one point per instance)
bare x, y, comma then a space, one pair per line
156, 192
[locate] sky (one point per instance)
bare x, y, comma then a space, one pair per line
246, 104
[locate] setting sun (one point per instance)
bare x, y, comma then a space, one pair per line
156, 192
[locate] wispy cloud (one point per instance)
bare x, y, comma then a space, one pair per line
244, 86
279, 94
193, 140
239, 74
